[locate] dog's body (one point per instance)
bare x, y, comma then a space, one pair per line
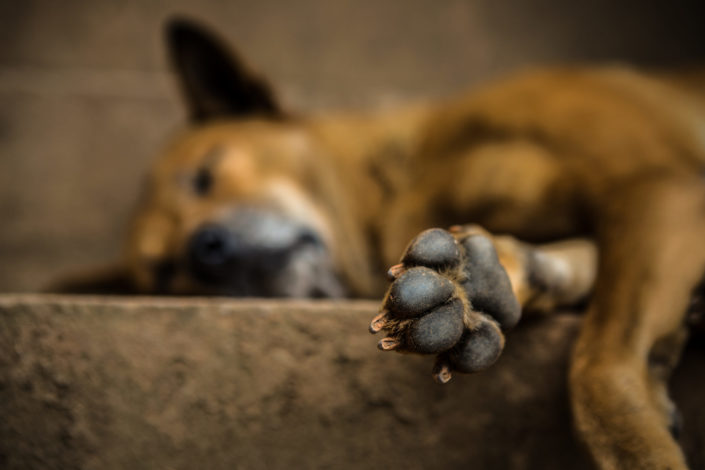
254, 202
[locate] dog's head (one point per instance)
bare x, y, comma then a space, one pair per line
240, 203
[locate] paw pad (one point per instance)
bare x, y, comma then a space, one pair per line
449, 296
433, 248
438, 330
416, 291
479, 349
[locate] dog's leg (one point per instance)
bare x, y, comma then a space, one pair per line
547, 276
455, 291
652, 256
451, 297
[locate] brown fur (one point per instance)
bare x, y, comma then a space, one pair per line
610, 154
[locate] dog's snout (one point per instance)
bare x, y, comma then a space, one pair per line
211, 245
212, 251
247, 251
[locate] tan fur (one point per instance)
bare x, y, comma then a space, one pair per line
609, 154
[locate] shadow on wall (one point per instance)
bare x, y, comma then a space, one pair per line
85, 98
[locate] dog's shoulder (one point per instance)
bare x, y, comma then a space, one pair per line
596, 113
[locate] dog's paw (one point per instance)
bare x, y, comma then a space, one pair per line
449, 296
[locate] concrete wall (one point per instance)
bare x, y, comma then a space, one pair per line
85, 98
100, 383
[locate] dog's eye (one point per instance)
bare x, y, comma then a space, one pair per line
203, 181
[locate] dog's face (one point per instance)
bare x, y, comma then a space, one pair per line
233, 206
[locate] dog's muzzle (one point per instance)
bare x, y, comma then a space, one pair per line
254, 252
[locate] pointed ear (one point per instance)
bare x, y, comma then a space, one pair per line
214, 82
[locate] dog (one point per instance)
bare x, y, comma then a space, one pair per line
550, 188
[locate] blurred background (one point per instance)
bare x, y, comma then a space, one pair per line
86, 98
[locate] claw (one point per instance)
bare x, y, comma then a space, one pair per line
395, 271
441, 372
378, 322
388, 344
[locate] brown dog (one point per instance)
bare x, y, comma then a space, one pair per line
252, 201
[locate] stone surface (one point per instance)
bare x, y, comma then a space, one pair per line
143, 383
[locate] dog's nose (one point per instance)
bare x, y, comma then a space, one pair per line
233, 255
211, 246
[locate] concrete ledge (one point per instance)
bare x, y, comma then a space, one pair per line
102, 383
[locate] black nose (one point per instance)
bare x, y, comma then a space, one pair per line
219, 254
211, 246
215, 254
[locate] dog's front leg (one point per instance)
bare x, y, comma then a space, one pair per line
455, 292
652, 255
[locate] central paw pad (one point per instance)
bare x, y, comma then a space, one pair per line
449, 296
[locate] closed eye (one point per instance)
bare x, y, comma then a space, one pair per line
203, 181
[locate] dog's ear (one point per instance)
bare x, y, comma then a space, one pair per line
215, 82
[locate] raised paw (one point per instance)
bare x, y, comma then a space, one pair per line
449, 296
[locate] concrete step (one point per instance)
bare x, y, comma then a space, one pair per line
103, 383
